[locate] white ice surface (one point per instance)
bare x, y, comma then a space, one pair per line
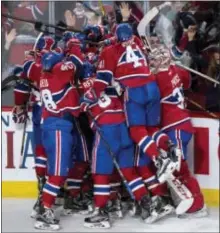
16, 218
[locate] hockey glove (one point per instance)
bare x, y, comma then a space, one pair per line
19, 114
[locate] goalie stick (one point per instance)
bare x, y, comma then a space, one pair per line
151, 14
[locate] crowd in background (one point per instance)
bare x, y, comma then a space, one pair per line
197, 32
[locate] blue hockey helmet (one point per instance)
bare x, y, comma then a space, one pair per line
43, 42
50, 59
124, 32
67, 36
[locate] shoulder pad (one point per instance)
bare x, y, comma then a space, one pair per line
18, 70
27, 67
49, 60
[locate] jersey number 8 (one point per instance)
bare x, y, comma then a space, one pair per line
48, 100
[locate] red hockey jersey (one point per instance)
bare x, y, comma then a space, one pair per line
32, 71
108, 109
58, 92
171, 84
126, 63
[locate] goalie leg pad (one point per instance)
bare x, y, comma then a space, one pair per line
192, 184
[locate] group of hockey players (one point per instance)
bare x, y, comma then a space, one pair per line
132, 99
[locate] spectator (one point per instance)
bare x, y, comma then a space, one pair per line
213, 90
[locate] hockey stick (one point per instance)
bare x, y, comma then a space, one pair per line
23, 136
151, 14
13, 80
39, 25
112, 154
200, 107
197, 72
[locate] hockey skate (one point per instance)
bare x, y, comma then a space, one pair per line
36, 207
134, 209
167, 163
87, 199
155, 208
46, 220
74, 205
98, 219
114, 209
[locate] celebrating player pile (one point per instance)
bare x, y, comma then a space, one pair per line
140, 128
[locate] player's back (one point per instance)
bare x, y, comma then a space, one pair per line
171, 83
129, 64
108, 109
58, 93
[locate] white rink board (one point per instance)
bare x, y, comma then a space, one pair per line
208, 181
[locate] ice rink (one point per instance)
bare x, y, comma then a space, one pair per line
16, 218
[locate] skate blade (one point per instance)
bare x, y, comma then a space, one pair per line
134, 213
184, 206
116, 214
168, 209
70, 212
99, 225
44, 226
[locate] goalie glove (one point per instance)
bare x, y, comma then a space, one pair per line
19, 114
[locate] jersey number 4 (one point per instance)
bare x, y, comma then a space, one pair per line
48, 100
178, 93
131, 57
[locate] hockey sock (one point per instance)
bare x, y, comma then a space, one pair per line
152, 183
140, 136
101, 190
115, 185
159, 137
51, 190
135, 182
192, 184
40, 161
75, 178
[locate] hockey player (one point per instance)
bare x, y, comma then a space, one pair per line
126, 63
72, 202
61, 103
176, 123
31, 69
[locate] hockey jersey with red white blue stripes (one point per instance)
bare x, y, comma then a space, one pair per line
171, 84
107, 110
126, 63
58, 93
